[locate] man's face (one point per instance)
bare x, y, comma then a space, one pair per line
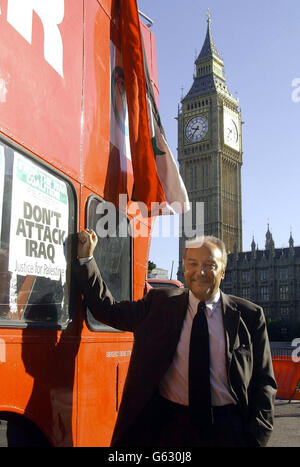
204, 270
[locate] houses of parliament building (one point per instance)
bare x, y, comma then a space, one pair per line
210, 160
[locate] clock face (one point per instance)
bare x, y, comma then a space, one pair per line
231, 132
231, 129
196, 129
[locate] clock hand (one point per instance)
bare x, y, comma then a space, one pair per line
195, 129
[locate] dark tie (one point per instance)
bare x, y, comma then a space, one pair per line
199, 373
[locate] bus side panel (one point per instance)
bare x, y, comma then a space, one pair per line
45, 118
100, 389
96, 96
46, 367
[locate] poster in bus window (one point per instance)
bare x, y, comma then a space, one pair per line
39, 222
2, 171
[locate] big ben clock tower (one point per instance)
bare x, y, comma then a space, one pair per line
210, 149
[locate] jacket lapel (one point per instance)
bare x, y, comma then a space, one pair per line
179, 305
231, 317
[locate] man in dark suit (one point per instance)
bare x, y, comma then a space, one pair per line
201, 371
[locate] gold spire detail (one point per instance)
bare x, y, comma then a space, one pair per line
208, 16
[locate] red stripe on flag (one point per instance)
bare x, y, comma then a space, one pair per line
146, 181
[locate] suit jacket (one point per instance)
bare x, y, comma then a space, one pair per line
156, 321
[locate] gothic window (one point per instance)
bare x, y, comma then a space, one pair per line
284, 311
193, 177
263, 274
246, 293
284, 292
264, 293
283, 274
245, 276
205, 175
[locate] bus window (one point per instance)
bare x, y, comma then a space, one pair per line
37, 214
113, 251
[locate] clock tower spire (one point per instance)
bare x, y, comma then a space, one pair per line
208, 50
210, 149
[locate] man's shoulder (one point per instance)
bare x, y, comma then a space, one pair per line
166, 292
240, 302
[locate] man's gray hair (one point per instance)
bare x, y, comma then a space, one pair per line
197, 242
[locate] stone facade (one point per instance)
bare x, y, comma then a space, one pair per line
270, 278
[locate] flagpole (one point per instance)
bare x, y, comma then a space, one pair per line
171, 270
151, 22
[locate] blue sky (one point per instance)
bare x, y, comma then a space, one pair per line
259, 42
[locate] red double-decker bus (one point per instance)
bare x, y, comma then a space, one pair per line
63, 156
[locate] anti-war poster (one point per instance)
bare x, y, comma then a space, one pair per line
39, 221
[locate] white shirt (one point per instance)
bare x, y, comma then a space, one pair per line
85, 260
174, 385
